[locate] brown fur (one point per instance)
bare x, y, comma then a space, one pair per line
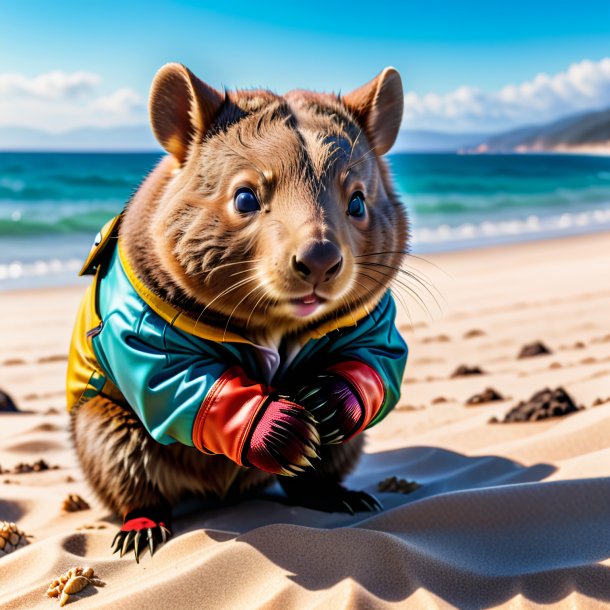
304, 154
128, 469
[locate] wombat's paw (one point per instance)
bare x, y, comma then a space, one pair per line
328, 496
139, 531
334, 406
285, 440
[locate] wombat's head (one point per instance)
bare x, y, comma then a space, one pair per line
282, 212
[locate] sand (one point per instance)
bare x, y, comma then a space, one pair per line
507, 515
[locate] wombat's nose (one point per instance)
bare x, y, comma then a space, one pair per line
317, 261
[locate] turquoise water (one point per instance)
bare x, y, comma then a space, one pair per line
52, 204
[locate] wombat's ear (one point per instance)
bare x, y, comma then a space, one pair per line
378, 107
182, 107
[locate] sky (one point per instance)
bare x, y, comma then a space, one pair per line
476, 66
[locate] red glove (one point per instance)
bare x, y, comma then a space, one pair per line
248, 423
335, 407
343, 400
284, 440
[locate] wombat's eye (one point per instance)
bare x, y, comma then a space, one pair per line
246, 201
356, 207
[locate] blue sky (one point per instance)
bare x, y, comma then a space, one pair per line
456, 58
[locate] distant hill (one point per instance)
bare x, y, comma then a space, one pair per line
137, 138
419, 140
584, 132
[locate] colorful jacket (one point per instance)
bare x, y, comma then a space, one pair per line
192, 383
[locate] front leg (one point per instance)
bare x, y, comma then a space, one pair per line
322, 490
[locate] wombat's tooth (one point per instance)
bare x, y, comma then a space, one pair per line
164, 533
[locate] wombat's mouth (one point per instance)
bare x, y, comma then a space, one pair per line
305, 306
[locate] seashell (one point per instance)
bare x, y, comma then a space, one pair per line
71, 582
11, 538
74, 503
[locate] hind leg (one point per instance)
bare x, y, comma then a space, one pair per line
322, 490
140, 479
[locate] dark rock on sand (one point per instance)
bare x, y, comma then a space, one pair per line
475, 332
463, 371
488, 395
534, 349
7, 405
600, 401
398, 485
37, 466
542, 405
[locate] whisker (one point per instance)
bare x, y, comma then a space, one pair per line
398, 294
409, 290
425, 284
265, 294
236, 306
223, 293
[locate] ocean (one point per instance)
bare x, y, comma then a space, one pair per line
53, 204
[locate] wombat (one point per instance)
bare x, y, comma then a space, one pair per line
240, 323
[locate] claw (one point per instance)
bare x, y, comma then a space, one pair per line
127, 541
117, 544
115, 540
136, 545
367, 505
349, 508
330, 435
151, 541
376, 502
329, 416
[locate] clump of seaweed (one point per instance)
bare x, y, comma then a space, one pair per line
398, 485
72, 582
11, 538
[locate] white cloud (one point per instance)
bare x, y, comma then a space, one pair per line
51, 85
583, 86
57, 101
122, 102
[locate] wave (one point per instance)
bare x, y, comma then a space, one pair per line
20, 225
531, 225
460, 203
17, 270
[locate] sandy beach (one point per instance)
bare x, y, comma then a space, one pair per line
511, 515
